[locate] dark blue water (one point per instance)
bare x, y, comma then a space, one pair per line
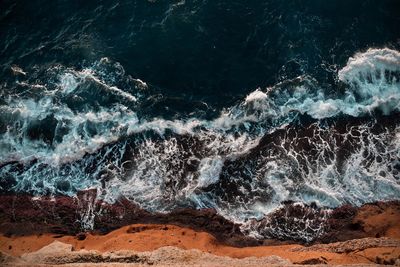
234, 105
198, 50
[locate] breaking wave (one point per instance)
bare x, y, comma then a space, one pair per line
68, 129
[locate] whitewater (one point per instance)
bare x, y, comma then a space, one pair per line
83, 128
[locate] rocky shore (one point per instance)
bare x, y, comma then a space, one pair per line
124, 233
168, 245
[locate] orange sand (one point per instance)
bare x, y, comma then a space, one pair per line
150, 237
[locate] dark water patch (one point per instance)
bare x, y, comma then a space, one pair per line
203, 49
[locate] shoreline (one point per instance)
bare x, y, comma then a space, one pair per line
369, 234
22, 215
170, 241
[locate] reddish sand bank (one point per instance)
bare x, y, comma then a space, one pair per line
372, 233
151, 237
61, 215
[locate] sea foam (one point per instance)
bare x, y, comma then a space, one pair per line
95, 138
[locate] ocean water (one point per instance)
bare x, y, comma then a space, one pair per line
233, 105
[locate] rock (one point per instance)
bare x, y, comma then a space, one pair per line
312, 261
59, 253
177, 256
7, 259
55, 249
353, 245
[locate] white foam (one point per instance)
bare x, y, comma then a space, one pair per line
70, 81
373, 61
209, 171
372, 79
18, 70
110, 123
157, 162
256, 96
